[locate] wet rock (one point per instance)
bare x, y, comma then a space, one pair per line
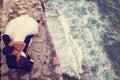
37, 65
4, 18
12, 5
34, 2
2, 30
36, 14
57, 70
4, 69
39, 7
55, 76
44, 78
30, 5
10, 10
25, 6
25, 77
18, 3
36, 73
21, 11
47, 52
14, 75
3, 12
15, 0
44, 1
20, 6
6, 1
12, 16
32, 9
46, 70
15, 10
68, 77
22, 1
61, 78
55, 61
3, 24
42, 58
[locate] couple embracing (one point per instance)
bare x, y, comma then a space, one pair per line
17, 38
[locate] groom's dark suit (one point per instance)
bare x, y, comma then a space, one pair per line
11, 63
11, 60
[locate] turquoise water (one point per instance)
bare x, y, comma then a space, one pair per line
89, 21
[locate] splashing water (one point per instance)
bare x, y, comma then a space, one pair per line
80, 25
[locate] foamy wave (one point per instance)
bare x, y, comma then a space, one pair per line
81, 28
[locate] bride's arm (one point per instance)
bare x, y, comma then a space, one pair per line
18, 45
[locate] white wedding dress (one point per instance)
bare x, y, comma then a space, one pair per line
20, 27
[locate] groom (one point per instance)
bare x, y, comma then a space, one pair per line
18, 34
17, 59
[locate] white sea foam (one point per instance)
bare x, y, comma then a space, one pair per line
81, 27
73, 46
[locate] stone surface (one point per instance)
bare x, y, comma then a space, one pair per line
44, 1
15, 1
21, 11
57, 70
45, 70
5, 78
10, 10
34, 2
20, 6
4, 69
25, 77
4, 18
42, 47
14, 75
56, 61
6, 1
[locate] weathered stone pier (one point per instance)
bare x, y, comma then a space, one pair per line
46, 66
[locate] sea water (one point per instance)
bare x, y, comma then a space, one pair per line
85, 24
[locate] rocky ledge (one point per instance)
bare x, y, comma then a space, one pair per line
46, 66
